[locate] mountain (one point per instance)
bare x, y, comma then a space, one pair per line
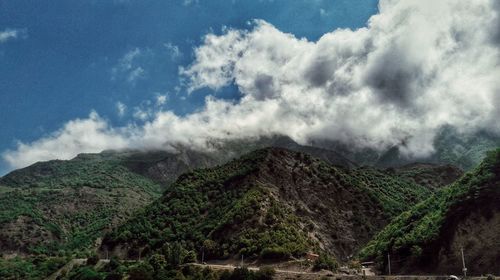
271, 203
464, 150
64, 206
430, 175
164, 167
429, 237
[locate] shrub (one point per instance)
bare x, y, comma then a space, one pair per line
141, 271
86, 273
190, 257
325, 262
275, 253
241, 273
158, 262
114, 276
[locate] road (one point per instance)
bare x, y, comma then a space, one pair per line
280, 274
255, 268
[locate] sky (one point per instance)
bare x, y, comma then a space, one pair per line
85, 76
61, 60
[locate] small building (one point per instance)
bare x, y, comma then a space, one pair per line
368, 268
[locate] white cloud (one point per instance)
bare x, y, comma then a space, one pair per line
161, 99
12, 34
142, 114
418, 65
77, 136
121, 109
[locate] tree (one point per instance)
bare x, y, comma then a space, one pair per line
86, 273
158, 262
141, 271
241, 273
210, 248
190, 257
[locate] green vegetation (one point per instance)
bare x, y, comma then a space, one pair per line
216, 208
262, 206
157, 267
325, 262
228, 210
30, 268
396, 194
93, 171
58, 207
412, 231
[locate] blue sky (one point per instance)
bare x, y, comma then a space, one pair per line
71, 57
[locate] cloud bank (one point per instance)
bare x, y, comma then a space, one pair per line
417, 66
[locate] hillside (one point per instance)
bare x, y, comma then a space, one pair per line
428, 238
58, 207
429, 175
271, 203
65, 205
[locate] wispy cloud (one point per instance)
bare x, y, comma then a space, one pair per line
161, 99
136, 74
121, 109
173, 50
190, 2
129, 68
12, 34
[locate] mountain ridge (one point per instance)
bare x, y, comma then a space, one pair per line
430, 236
300, 183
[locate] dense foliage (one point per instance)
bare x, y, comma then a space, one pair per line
412, 231
203, 206
29, 268
94, 171
325, 262
395, 193
62, 206
229, 210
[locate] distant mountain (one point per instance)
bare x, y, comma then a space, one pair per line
164, 167
429, 237
271, 203
464, 150
430, 175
